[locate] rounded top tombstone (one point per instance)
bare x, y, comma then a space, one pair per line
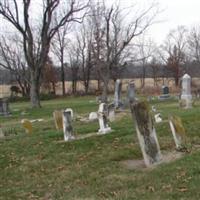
186, 76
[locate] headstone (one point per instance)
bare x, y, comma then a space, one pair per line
178, 131
131, 92
158, 118
186, 96
67, 125
117, 95
4, 107
165, 93
27, 126
102, 116
146, 132
57, 115
111, 112
1, 132
93, 116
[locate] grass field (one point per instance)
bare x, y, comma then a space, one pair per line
42, 166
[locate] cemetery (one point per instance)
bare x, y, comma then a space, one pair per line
94, 106
78, 148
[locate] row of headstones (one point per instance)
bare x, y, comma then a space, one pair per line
185, 97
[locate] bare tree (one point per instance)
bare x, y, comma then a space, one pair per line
36, 40
194, 44
113, 33
12, 59
174, 51
59, 45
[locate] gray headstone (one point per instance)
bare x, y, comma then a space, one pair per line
4, 107
117, 95
67, 125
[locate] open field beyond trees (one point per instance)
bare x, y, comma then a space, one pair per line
42, 166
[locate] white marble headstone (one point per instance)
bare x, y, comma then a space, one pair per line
186, 95
102, 116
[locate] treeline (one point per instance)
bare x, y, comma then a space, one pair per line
90, 40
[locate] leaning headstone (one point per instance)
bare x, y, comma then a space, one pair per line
111, 112
4, 107
57, 115
27, 125
178, 131
93, 116
186, 96
117, 95
67, 125
146, 132
103, 122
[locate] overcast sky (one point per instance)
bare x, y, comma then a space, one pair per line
175, 12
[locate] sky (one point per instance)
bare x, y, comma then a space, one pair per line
174, 13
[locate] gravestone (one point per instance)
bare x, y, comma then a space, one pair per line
117, 95
93, 116
1, 132
111, 112
67, 124
4, 107
131, 92
146, 132
27, 125
186, 96
103, 122
178, 131
165, 93
57, 115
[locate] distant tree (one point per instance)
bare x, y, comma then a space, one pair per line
12, 59
174, 52
194, 44
37, 34
113, 33
49, 76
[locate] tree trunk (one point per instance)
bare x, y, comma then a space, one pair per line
63, 78
104, 97
34, 92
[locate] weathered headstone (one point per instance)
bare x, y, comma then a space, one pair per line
93, 116
1, 132
178, 131
117, 95
111, 112
57, 115
4, 107
158, 118
146, 132
131, 92
102, 116
27, 125
67, 125
186, 96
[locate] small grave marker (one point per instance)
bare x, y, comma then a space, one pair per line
27, 126
57, 115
